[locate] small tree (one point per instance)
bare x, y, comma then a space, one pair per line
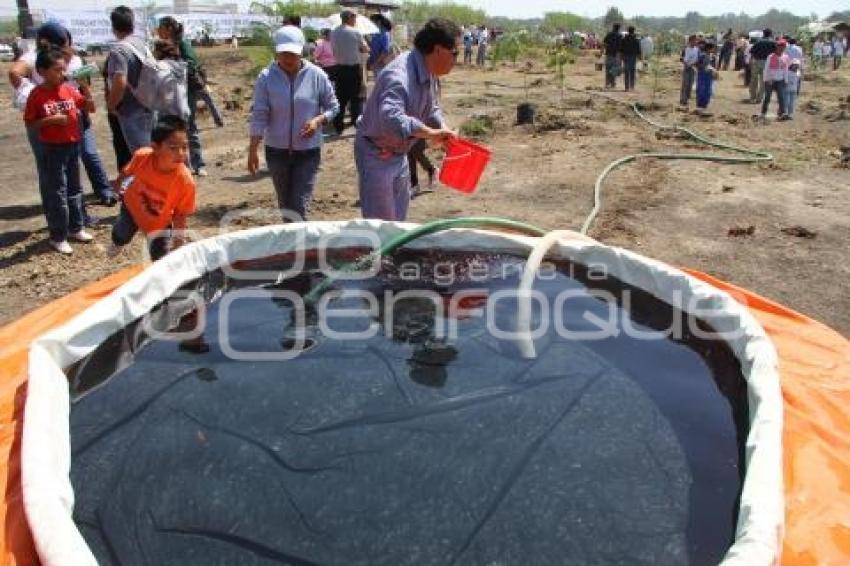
558, 58
613, 16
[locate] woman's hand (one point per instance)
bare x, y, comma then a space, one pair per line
312, 126
253, 159
438, 137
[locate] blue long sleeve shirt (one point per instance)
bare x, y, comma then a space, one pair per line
403, 100
283, 105
380, 45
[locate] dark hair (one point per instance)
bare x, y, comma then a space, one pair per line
46, 58
52, 34
165, 49
615, 27
165, 128
292, 21
436, 31
792, 40
383, 23
122, 19
767, 32
631, 29
173, 26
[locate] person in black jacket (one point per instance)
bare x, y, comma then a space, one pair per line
612, 44
630, 49
758, 56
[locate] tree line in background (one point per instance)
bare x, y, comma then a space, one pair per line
554, 22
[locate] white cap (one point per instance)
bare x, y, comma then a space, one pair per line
289, 39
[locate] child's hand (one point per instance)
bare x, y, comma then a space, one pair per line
56, 120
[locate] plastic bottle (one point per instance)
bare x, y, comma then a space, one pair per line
85, 72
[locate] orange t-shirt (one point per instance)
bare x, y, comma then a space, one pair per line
154, 198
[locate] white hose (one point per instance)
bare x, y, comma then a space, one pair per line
523, 320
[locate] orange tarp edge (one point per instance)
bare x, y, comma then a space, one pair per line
17, 546
815, 373
814, 368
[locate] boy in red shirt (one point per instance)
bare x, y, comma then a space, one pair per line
53, 108
160, 192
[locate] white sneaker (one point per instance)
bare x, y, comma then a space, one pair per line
201, 172
62, 247
81, 236
114, 250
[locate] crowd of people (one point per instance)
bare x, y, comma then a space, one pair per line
299, 99
296, 104
769, 65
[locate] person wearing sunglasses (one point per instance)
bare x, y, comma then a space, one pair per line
402, 109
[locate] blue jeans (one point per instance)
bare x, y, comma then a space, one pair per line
38, 156
790, 100
125, 228
196, 158
384, 183
294, 177
136, 127
94, 166
63, 195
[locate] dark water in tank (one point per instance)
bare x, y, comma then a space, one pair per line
427, 440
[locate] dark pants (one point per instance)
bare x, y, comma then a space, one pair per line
612, 69
704, 82
119, 144
417, 155
688, 76
630, 71
125, 228
196, 157
63, 195
331, 72
349, 80
205, 96
725, 58
294, 178
779, 87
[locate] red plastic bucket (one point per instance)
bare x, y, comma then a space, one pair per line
463, 164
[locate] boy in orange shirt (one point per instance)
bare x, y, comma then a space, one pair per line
160, 192
53, 108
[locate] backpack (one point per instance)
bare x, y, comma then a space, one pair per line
162, 85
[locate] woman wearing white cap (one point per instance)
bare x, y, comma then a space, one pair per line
292, 100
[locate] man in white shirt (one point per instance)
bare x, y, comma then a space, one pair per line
483, 39
348, 46
690, 56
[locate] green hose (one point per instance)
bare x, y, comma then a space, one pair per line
424, 230
752, 156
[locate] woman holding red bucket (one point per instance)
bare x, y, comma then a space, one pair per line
402, 109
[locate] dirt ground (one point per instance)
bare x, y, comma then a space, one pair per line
683, 213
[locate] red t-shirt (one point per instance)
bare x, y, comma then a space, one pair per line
153, 197
46, 101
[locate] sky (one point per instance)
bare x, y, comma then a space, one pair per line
536, 8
